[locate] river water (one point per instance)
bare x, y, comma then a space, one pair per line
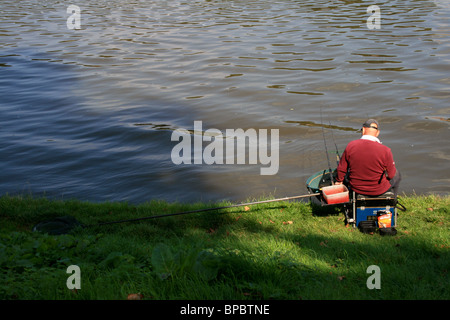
89, 113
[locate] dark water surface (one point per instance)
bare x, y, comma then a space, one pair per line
89, 113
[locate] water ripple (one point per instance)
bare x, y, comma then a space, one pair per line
89, 113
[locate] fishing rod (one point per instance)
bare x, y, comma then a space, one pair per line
338, 156
326, 149
63, 225
209, 209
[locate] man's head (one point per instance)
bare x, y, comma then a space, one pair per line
370, 127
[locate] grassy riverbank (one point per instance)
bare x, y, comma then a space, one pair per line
278, 250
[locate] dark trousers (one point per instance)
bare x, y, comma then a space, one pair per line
395, 182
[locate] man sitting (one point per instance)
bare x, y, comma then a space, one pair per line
366, 166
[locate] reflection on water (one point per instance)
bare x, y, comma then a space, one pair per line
322, 125
89, 113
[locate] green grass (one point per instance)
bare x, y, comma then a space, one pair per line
278, 250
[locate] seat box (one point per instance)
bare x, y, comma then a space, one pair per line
371, 214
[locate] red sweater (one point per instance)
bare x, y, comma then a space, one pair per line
366, 162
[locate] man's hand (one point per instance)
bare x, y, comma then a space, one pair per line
338, 183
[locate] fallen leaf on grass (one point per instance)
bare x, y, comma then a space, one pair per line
135, 296
246, 208
288, 222
340, 278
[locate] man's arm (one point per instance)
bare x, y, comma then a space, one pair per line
390, 165
342, 168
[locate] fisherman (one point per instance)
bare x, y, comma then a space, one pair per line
367, 166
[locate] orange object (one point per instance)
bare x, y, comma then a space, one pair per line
384, 220
335, 194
